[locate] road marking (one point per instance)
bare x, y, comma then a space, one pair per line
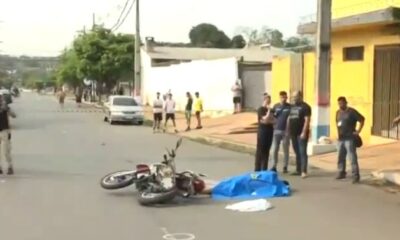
177, 236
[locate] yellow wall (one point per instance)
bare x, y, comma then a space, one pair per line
343, 8
354, 80
280, 77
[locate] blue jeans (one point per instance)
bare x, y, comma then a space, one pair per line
280, 136
347, 148
300, 149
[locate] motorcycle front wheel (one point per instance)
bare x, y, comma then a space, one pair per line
117, 180
149, 198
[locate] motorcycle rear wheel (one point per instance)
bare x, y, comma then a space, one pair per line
117, 180
147, 198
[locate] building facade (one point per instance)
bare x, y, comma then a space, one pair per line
365, 65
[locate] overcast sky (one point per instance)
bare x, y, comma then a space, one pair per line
45, 27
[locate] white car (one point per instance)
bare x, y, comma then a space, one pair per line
123, 109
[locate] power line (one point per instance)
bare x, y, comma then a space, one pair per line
120, 15
126, 16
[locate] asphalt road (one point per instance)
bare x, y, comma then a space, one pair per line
61, 155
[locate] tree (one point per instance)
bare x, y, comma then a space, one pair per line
298, 44
238, 41
68, 71
264, 36
208, 35
104, 56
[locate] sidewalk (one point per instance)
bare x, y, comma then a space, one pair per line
239, 132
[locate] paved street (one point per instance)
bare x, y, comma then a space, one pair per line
61, 155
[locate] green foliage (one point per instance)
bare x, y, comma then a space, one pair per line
99, 55
298, 44
275, 38
68, 70
265, 35
238, 41
208, 36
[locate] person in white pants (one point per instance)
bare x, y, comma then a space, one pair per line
5, 135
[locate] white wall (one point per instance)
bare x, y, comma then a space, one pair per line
213, 79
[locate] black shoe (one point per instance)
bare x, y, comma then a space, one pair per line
356, 180
341, 176
295, 174
285, 170
274, 169
1, 171
187, 129
10, 171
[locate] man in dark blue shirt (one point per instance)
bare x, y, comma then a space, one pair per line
281, 113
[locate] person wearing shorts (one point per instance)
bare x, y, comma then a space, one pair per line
170, 112
157, 112
198, 107
237, 97
188, 110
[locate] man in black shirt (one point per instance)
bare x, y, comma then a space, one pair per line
346, 121
281, 113
5, 134
299, 129
188, 110
264, 134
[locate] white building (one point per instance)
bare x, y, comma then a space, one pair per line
211, 72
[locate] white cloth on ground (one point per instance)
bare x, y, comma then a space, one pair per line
250, 206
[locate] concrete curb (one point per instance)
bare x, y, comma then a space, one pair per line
390, 176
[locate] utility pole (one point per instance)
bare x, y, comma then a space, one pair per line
321, 114
137, 79
93, 20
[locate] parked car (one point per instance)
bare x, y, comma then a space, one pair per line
7, 95
123, 109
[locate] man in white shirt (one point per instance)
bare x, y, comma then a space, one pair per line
170, 112
237, 97
157, 112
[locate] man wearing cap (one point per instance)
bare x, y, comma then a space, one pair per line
346, 122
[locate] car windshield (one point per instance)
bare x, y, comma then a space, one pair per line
124, 102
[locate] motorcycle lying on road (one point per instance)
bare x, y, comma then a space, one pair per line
157, 183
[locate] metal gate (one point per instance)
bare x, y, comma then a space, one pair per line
386, 104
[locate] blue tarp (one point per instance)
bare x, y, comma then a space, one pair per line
252, 185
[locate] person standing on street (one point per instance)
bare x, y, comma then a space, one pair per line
5, 135
281, 113
299, 130
198, 107
157, 112
264, 134
61, 97
170, 112
346, 122
188, 110
237, 97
